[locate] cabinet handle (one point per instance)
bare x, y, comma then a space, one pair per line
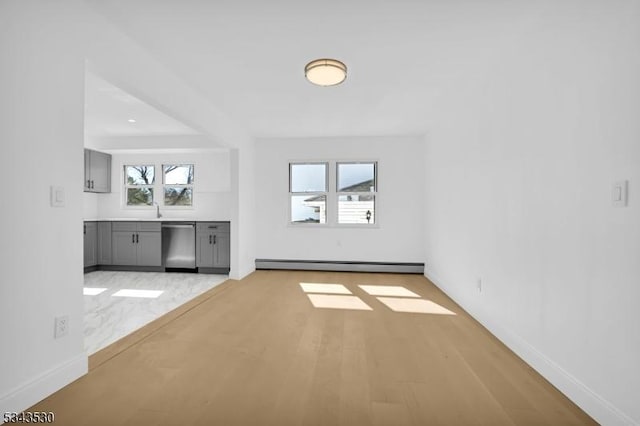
85, 229
214, 239
209, 238
88, 184
133, 238
213, 227
137, 238
91, 184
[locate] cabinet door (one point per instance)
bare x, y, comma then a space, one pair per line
222, 250
123, 246
100, 171
90, 244
204, 249
149, 247
104, 243
87, 170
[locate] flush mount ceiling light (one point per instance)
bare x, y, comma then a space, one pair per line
325, 72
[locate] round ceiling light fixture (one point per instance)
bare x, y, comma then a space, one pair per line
325, 72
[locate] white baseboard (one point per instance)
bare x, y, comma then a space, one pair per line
52, 380
591, 402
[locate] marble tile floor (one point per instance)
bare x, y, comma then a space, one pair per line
117, 303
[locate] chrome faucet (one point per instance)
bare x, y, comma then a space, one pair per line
158, 215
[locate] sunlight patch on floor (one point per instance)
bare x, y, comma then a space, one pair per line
92, 291
338, 302
127, 292
324, 288
418, 306
388, 290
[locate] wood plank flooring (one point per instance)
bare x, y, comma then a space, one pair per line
256, 352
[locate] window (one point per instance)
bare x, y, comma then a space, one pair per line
351, 196
175, 189
308, 192
356, 192
139, 181
178, 184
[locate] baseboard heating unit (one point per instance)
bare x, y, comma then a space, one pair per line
340, 266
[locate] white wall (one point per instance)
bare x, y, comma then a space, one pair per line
41, 131
212, 187
399, 202
243, 212
117, 58
519, 169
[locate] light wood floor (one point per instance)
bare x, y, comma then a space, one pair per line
256, 352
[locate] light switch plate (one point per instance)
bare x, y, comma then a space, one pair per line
619, 192
57, 196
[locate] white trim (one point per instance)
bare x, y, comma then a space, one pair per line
324, 193
187, 185
588, 400
157, 186
35, 390
331, 220
125, 186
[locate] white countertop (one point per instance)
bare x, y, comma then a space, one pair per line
151, 219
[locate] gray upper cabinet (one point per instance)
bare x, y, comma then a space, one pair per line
90, 244
137, 244
97, 171
213, 245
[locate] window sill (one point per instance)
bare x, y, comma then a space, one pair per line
333, 226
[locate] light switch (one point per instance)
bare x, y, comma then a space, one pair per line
619, 193
57, 196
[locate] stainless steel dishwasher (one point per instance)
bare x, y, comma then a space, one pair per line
179, 245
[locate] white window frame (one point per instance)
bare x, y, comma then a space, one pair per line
127, 186
191, 185
324, 193
332, 194
157, 186
373, 193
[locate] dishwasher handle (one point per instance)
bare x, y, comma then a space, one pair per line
178, 226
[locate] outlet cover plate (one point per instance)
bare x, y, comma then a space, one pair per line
57, 196
61, 326
619, 192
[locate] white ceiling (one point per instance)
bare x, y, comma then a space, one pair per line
248, 57
108, 110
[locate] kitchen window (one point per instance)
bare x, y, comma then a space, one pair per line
175, 189
308, 193
139, 182
178, 184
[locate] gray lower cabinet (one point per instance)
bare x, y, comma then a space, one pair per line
97, 171
222, 250
136, 243
213, 245
128, 243
90, 244
104, 243
149, 248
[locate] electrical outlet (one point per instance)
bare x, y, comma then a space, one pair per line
61, 326
479, 285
